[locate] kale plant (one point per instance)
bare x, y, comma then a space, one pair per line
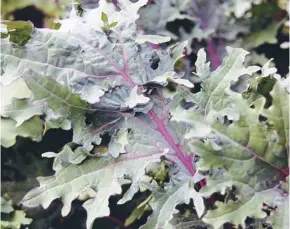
221, 150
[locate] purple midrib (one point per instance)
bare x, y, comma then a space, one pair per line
210, 48
214, 55
186, 160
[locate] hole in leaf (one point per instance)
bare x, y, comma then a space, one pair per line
186, 208
171, 86
196, 158
262, 118
106, 138
88, 121
154, 61
249, 221
187, 105
102, 148
230, 226
240, 85
227, 121
252, 223
210, 202
175, 26
197, 88
30, 13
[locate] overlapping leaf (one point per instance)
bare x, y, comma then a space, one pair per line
213, 94
244, 137
92, 66
165, 201
98, 175
108, 85
99, 82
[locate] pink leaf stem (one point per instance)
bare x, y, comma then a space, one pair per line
210, 49
187, 161
214, 54
179, 154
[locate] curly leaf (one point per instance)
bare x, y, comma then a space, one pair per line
249, 204
246, 139
100, 175
214, 86
165, 201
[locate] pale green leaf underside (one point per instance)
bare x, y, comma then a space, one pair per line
32, 128
21, 110
16, 89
